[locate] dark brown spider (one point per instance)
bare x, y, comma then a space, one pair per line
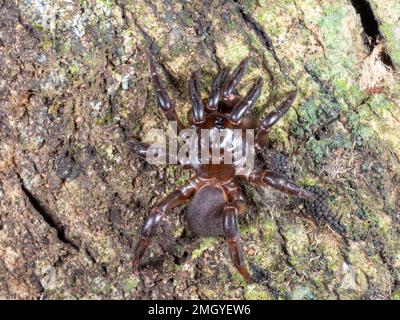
216, 196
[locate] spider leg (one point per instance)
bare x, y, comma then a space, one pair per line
140, 149
231, 230
247, 102
163, 100
195, 99
272, 179
174, 199
235, 78
271, 118
236, 196
216, 89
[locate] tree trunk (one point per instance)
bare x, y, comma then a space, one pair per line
75, 90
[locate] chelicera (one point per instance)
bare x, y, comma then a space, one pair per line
214, 192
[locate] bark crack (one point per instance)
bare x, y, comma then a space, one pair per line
370, 24
264, 38
52, 221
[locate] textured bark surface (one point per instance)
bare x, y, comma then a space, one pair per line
75, 89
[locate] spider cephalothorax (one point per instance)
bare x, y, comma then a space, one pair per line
215, 194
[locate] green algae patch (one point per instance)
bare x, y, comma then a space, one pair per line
205, 244
392, 36
307, 181
396, 295
369, 266
332, 254
296, 240
74, 59
344, 52
130, 283
302, 293
270, 229
256, 292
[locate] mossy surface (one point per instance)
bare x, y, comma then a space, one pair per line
76, 90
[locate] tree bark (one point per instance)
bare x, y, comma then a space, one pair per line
75, 90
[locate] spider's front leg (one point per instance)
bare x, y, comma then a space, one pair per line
163, 100
176, 198
217, 89
198, 113
271, 118
246, 102
277, 181
233, 80
231, 230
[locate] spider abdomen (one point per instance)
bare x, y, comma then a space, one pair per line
204, 213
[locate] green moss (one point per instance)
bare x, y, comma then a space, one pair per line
74, 70
318, 149
205, 244
171, 173
178, 232
46, 44
189, 22
395, 295
391, 34
307, 181
361, 262
184, 177
232, 50
256, 292
269, 229
338, 19
130, 284
103, 120
277, 134
302, 293
100, 286
332, 254
107, 3
64, 47
237, 278
248, 230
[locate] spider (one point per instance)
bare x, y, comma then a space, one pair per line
216, 197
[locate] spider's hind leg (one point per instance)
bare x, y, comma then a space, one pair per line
231, 230
171, 201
